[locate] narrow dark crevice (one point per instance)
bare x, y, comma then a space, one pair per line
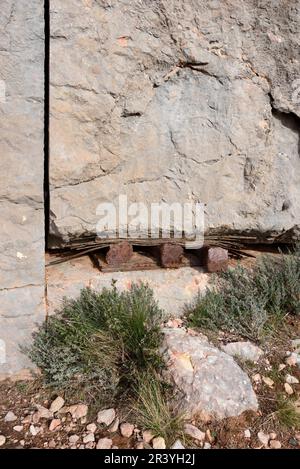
126, 114
289, 119
46, 119
198, 67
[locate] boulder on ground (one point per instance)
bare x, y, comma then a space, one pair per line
208, 380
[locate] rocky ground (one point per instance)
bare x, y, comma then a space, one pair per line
33, 417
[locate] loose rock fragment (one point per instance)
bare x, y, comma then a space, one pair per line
27, 419
243, 350
52, 444
10, 417
275, 444
42, 413
288, 389
2, 440
106, 416
18, 428
148, 436
126, 429
291, 379
90, 445
90, 437
177, 445
34, 430
78, 411
208, 379
296, 345
104, 443
176, 322
158, 443
256, 378
57, 404
263, 438
268, 381
55, 423
73, 439
292, 359
209, 436
194, 432
91, 428
114, 426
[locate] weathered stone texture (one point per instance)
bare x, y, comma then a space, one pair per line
175, 101
215, 259
209, 381
119, 253
21, 177
171, 255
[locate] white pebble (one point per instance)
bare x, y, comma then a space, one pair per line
288, 389
10, 417
158, 443
18, 428
106, 416
126, 429
291, 379
104, 443
57, 404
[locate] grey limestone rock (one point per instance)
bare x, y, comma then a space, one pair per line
209, 381
176, 101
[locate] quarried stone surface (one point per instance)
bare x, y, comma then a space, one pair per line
215, 259
175, 101
119, 253
21, 178
171, 255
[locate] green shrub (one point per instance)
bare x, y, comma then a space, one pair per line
278, 280
286, 413
99, 341
248, 302
232, 305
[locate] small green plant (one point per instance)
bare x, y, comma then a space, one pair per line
153, 410
99, 342
287, 414
278, 281
250, 302
231, 305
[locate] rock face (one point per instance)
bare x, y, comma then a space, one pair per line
243, 350
210, 381
175, 101
21, 178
